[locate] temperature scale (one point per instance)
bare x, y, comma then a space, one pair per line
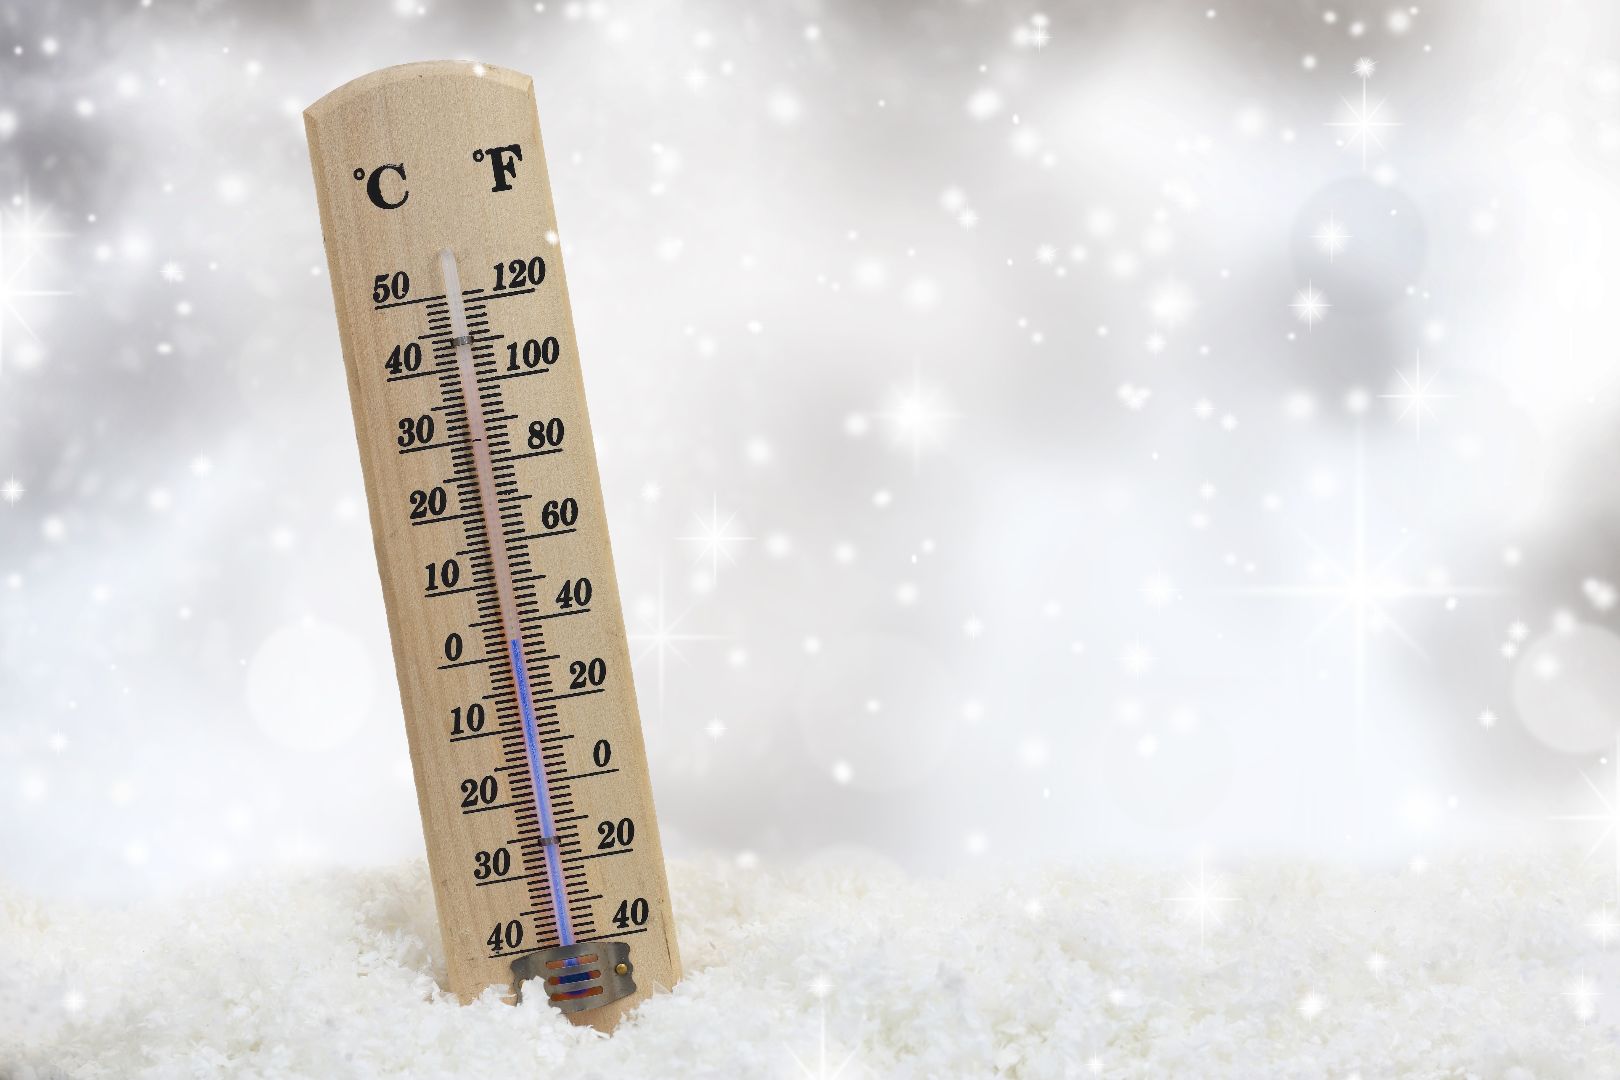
492, 543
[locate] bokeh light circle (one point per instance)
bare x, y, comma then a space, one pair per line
1567, 689
309, 686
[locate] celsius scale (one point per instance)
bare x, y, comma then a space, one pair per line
492, 543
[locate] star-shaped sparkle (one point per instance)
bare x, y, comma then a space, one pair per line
1310, 305
1416, 395
21, 256
1604, 926
660, 637
1203, 901
715, 540
917, 417
821, 987
1583, 995
1331, 237
1357, 584
1605, 816
1364, 122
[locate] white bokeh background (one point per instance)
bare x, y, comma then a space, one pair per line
981, 483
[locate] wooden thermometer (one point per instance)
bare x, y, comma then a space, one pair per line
486, 510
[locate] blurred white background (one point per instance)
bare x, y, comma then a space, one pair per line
1028, 431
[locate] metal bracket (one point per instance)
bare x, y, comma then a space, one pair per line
578, 977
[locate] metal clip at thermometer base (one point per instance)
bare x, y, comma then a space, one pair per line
578, 977
491, 537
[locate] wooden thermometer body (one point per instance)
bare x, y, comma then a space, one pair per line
492, 543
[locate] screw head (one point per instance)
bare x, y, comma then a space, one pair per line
621, 968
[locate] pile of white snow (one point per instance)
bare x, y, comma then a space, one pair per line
1499, 968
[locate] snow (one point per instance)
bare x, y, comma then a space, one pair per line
1489, 967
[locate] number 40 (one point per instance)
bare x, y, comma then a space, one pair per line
631, 912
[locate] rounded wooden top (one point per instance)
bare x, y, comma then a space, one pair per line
373, 82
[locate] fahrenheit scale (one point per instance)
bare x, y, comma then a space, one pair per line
486, 510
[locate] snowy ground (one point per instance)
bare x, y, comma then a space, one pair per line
1484, 968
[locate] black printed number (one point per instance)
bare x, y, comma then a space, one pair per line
602, 753
415, 431
531, 354
470, 720
404, 358
495, 863
615, 834
452, 648
576, 593
631, 912
385, 288
475, 792
443, 575
544, 433
426, 504
555, 513
518, 273
508, 935
587, 674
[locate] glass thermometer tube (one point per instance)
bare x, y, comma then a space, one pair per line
501, 568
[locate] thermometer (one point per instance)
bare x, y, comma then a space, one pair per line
491, 539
